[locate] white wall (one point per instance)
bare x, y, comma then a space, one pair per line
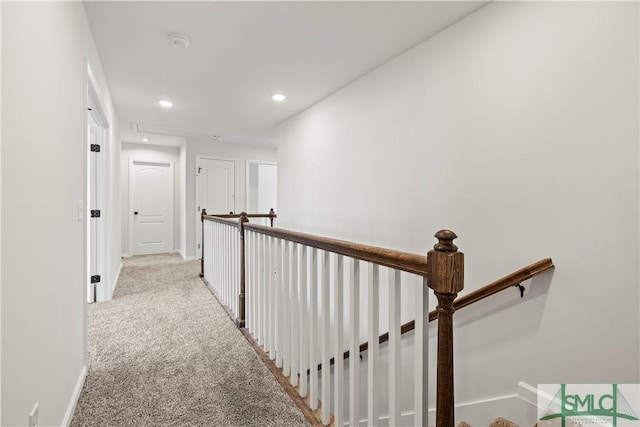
182, 207
238, 152
517, 128
149, 153
0, 212
45, 50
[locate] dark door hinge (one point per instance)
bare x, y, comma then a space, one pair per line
95, 213
95, 148
95, 279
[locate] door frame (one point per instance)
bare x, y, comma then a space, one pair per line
198, 222
96, 110
248, 180
131, 196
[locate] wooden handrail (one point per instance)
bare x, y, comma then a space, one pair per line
506, 282
513, 279
211, 217
228, 219
404, 261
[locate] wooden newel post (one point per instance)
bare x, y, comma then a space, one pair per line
241, 298
272, 215
202, 214
445, 275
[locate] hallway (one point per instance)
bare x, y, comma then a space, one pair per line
164, 353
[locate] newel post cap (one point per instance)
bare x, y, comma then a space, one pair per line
445, 265
445, 241
242, 221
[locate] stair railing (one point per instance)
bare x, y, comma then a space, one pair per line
226, 272
277, 285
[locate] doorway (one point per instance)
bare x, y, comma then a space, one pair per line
151, 207
215, 190
262, 187
98, 283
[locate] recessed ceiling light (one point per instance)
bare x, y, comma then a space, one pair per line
278, 97
165, 103
145, 139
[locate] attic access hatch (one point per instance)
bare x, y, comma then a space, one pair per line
173, 131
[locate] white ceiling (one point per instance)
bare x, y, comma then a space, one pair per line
241, 53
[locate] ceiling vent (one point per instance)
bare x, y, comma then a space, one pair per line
179, 40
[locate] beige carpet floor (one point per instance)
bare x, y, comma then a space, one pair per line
164, 353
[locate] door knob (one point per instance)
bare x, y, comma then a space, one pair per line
135, 213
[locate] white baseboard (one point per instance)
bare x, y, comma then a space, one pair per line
484, 412
126, 256
516, 408
184, 257
71, 408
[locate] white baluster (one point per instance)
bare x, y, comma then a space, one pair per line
326, 338
236, 294
374, 345
278, 302
304, 327
247, 281
231, 253
313, 331
255, 312
218, 258
227, 282
232, 284
421, 353
235, 298
261, 290
272, 299
354, 348
217, 286
221, 286
394, 346
207, 239
295, 316
256, 285
268, 309
248, 299
285, 312
338, 368
214, 254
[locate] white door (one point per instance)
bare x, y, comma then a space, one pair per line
151, 206
96, 283
215, 182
